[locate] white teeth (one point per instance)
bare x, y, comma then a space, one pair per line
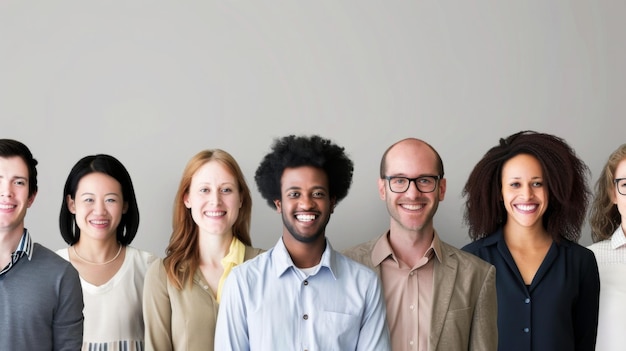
215, 213
526, 207
99, 222
412, 207
6, 207
305, 218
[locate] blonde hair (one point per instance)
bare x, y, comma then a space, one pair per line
604, 217
183, 252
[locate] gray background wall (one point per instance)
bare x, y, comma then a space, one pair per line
154, 82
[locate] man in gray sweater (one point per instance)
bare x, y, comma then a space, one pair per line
41, 299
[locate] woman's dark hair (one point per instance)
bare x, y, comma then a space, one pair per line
296, 151
564, 173
109, 165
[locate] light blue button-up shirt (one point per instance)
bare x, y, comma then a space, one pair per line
269, 304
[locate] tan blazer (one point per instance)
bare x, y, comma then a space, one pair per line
464, 316
181, 320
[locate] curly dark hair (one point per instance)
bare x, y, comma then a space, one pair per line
296, 151
564, 173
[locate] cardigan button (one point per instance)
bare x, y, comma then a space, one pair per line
526, 330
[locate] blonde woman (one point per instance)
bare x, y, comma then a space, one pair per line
211, 234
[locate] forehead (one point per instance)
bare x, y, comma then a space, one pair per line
98, 180
522, 164
213, 171
304, 177
411, 158
13, 166
620, 170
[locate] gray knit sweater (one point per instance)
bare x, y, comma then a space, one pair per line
41, 304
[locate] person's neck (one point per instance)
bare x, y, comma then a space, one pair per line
519, 236
213, 248
9, 240
97, 250
410, 245
305, 255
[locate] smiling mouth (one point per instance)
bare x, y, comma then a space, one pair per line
526, 208
305, 218
7, 207
413, 207
215, 213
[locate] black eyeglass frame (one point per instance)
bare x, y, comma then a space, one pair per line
617, 180
437, 178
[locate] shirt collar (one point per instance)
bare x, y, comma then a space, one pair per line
618, 239
283, 261
25, 246
382, 249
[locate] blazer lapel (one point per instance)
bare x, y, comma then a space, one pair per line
443, 285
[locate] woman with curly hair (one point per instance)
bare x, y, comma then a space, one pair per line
608, 224
211, 235
526, 201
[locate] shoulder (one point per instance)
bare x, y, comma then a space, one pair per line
361, 253
43, 255
578, 252
252, 252
465, 257
141, 256
353, 268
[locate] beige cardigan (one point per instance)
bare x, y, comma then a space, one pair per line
181, 320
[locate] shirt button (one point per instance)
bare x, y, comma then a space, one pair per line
306, 282
412, 273
412, 307
206, 287
527, 300
305, 317
411, 342
526, 330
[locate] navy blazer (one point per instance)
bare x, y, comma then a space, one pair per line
558, 311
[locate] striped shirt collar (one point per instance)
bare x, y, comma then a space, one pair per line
24, 248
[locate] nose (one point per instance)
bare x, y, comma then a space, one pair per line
214, 197
528, 192
5, 189
100, 207
306, 202
413, 189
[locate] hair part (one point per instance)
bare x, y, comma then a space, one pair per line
564, 173
14, 148
604, 217
298, 151
109, 165
183, 251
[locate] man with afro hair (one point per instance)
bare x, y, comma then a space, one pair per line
301, 294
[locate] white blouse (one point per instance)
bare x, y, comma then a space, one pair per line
611, 257
113, 311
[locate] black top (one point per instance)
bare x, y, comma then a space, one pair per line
558, 311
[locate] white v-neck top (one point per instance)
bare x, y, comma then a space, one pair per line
113, 310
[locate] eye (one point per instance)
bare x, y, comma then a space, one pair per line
399, 181
20, 182
203, 190
111, 200
425, 180
537, 184
319, 194
226, 190
293, 194
515, 185
88, 200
